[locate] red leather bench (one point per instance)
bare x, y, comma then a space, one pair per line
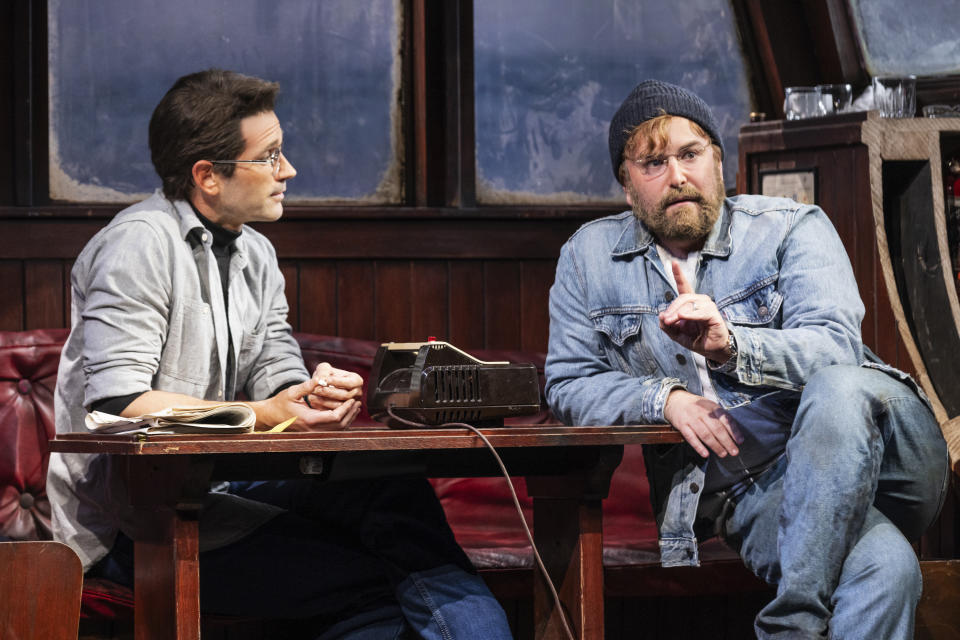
480, 510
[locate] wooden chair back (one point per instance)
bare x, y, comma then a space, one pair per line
40, 586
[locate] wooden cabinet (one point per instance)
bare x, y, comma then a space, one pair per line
880, 181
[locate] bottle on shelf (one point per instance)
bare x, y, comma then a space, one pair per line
951, 184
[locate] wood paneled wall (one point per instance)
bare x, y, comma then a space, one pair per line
35, 294
474, 303
480, 281
478, 278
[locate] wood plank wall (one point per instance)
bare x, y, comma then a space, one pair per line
35, 294
478, 278
498, 304
479, 282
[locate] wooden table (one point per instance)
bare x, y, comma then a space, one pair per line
568, 471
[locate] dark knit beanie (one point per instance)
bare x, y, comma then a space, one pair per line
650, 99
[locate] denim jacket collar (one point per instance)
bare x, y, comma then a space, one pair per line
636, 238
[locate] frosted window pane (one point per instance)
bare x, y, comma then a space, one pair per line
908, 38
336, 61
550, 74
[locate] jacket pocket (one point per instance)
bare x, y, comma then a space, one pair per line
190, 352
251, 345
756, 305
621, 337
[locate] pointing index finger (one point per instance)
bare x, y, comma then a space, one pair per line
683, 285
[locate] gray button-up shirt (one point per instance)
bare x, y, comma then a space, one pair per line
148, 314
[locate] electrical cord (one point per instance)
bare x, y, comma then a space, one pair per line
516, 503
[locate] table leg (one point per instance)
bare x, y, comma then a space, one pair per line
568, 533
167, 583
167, 494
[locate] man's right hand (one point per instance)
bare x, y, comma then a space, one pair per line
703, 424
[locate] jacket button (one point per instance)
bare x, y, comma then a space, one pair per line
694, 487
763, 310
669, 296
24, 386
682, 359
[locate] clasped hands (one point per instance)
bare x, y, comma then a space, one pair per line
330, 399
693, 321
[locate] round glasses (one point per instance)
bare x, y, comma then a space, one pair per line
273, 160
656, 165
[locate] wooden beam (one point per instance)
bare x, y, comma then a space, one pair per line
416, 48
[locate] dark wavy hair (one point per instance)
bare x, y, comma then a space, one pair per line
199, 119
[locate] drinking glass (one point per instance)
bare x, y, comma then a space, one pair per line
804, 102
840, 95
895, 96
941, 111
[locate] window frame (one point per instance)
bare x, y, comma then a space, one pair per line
785, 44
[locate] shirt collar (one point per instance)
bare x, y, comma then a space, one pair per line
222, 237
190, 223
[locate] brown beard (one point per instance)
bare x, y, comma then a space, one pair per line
689, 225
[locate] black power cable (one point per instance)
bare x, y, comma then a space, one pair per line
516, 503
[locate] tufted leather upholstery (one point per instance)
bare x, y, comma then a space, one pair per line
28, 373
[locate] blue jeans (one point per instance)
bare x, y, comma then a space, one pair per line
865, 472
362, 560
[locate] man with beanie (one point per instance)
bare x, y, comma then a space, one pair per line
737, 321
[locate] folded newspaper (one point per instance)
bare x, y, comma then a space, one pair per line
227, 417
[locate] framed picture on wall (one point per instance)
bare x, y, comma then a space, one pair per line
799, 185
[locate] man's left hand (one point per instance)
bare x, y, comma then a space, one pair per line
693, 321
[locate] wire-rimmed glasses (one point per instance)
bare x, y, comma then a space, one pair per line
273, 160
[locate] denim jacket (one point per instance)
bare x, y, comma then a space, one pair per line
779, 275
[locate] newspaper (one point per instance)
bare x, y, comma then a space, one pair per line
227, 417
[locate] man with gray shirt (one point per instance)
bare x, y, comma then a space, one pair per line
177, 302
737, 321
